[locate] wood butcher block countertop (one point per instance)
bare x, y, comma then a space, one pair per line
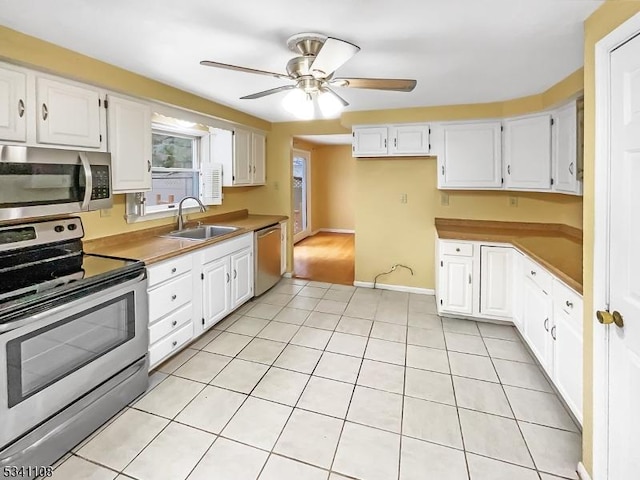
152, 245
556, 247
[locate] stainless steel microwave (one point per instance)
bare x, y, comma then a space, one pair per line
37, 181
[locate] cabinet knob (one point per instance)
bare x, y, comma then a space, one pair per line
174, 343
173, 297
457, 249
45, 111
533, 273
569, 304
174, 270
174, 323
21, 108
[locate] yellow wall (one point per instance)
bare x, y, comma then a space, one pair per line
599, 24
333, 181
22, 49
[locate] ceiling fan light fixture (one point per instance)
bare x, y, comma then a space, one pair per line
330, 105
299, 104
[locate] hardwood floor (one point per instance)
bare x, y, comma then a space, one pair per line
325, 257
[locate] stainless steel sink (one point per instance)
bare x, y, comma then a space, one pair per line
203, 232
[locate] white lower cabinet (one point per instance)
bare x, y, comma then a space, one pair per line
189, 293
513, 287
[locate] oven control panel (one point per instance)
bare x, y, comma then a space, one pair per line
101, 182
40, 233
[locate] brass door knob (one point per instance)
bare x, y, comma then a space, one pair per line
607, 318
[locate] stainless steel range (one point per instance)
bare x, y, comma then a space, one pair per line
73, 339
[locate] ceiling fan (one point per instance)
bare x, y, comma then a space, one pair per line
312, 71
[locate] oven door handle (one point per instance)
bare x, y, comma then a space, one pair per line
14, 324
88, 176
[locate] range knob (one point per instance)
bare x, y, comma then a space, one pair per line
59, 228
72, 226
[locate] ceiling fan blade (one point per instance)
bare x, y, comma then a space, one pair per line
333, 54
394, 84
209, 63
268, 92
340, 99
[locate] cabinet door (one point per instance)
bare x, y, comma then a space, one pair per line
13, 116
217, 291
456, 287
470, 155
567, 362
242, 277
221, 151
242, 168
130, 144
495, 281
537, 323
67, 114
258, 158
283, 247
369, 141
565, 144
409, 140
527, 148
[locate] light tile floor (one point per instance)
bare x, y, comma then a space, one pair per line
318, 381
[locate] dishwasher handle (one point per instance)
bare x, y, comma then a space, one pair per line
266, 232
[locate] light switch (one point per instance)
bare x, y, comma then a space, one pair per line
444, 199
513, 201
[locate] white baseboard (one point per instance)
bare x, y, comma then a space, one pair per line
334, 230
582, 472
396, 288
287, 275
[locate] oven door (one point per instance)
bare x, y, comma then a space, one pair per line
52, 358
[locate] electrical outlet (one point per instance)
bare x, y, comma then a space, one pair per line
276, 186
513, 201
105, 212
403, 198
444, 199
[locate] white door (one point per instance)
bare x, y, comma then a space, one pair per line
538, 323
67, 114
217, 291
409, 140
369, 141
567, 359
301, 195
565, 145
456, 284
242, 168
527, 149
258, 156
469, 155
241, 277
13, 115
624, 274
130, 144
495, 281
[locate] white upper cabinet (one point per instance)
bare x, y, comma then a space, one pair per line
409, 140
13, 97
67, 114
242, 157
370, 141
404, 140
129, 124
242, 154
565, 147
469, 155
527, 149
258, 158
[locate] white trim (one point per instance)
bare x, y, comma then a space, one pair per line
396, 288
287, 275
600, 284
307, 231
582, 472
334, 230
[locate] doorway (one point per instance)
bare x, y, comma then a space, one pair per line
301, 195
616, 278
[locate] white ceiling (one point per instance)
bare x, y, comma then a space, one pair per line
333, 139
460, 51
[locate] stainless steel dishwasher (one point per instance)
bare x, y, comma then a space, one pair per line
267, 258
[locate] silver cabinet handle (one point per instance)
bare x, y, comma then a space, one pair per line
228, 277
235, 274
395, 142
174, 323
569, 304
385, 143
442, 169
21, 108
469, 279
553, 332
571, 168
174, 343
174, 270
546, 324
533, 272
45, 111
509, 169
173, 297
148, 166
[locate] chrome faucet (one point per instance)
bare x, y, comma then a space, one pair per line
180, 218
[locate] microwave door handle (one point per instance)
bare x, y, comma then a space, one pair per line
88, 179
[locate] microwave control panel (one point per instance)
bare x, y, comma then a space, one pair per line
101, 182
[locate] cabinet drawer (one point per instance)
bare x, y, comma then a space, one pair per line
170, 296
169, 269
569, 301
170, 344
539, 275
456, 248
171, 323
